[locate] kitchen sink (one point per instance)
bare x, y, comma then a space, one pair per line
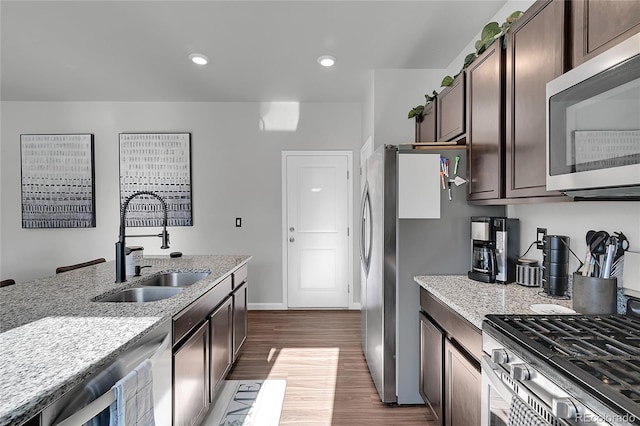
174, 279
142, 294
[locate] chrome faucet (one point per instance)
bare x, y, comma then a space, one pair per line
121, 271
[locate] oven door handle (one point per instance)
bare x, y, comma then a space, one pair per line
491, 377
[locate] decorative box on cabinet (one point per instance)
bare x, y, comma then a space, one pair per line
535, 55
450, 111
598, 25
426, 127
485, 124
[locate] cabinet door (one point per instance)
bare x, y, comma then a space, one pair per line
485, 121
431, 368
426, 128
221, 343
463, 388
239, 319
191, 378
601, 24
450, 111
535, 56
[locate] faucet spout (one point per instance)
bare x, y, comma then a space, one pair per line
121, 273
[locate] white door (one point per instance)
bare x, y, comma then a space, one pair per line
317, 234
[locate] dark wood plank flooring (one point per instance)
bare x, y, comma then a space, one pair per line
319, 354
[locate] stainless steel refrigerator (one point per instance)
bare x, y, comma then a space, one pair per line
392, 252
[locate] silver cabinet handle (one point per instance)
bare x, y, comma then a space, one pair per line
291, 239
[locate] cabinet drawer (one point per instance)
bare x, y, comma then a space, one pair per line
240, 276
198, 311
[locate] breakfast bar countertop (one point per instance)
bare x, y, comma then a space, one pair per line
474, 300
53, 333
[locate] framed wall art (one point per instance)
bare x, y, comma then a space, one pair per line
57, 181
161, 163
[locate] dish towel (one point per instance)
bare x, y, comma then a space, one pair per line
134, 398
520, 414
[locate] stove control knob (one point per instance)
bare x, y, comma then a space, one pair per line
520, 372
499, 356
564, 408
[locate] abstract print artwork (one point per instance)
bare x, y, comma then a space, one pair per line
57, 181
161, 163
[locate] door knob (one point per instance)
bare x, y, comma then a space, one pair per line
292, 229
291, 239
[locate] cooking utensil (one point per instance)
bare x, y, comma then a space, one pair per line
596, 245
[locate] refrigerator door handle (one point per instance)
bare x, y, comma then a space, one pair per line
366, 230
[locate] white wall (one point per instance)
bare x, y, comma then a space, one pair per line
574, 219
236, 172
396, 91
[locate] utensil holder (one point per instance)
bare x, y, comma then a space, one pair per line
593, 295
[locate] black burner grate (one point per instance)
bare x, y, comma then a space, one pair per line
606, 348
578, 336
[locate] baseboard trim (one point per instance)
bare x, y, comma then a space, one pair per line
266, 307
282, 307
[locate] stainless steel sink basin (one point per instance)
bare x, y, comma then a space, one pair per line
174, 279
142, 294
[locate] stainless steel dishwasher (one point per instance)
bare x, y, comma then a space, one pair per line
88, 402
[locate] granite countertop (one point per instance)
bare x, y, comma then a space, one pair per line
53, 334
474, 300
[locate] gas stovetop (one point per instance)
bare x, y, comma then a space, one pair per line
600, 353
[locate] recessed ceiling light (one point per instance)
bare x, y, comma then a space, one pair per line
326, 60
199, 59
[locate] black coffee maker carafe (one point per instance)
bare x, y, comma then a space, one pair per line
484, 264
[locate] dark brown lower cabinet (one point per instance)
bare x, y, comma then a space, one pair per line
221, 343
191, 378
462, 386
450, 351
240, 318
431, 368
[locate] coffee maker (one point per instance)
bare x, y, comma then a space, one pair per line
495, 242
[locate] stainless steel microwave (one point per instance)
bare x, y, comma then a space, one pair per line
593, 126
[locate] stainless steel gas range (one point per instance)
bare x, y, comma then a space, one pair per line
561, 369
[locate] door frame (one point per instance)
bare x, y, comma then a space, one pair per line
285, 263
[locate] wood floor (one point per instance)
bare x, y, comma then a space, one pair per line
319, 354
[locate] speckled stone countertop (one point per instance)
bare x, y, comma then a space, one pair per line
474, 300
53, 333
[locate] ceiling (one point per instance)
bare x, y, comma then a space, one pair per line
259, 50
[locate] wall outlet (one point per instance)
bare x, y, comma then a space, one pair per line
238, 222
540, 234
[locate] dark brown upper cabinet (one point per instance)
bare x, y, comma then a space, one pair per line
535, 55
485, 124
426, 128
598, 25
450, 111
